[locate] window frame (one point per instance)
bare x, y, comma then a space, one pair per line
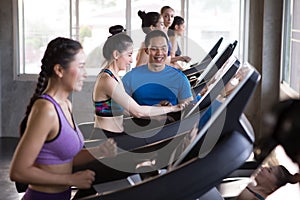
74, 33
286, 54
17, 43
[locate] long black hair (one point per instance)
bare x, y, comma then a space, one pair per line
59, 51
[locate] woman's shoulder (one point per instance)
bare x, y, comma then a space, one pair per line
43, 107
43, 103
105, 81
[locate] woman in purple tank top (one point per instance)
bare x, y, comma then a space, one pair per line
51, 143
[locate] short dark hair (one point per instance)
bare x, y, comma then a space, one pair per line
154, 34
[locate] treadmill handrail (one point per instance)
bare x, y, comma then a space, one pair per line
191, 186
203, 63
216, 87
216, 64
216, 115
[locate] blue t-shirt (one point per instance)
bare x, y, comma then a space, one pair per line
149, 88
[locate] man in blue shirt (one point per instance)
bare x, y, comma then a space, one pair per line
155, 82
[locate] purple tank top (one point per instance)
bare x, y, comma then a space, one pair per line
65, 145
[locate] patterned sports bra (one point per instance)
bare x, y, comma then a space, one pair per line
108, 108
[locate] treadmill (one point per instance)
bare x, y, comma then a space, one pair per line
161, 134
222, 145
197, 67
137, 125
190, 116
210, 70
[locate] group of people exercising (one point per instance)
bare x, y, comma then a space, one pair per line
51, 143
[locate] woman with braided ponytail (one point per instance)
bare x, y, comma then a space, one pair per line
51, 143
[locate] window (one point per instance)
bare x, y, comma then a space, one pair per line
211, 19
136, 22
291, 46
149, 6
36, 27
95, 18
88, 21
84, 20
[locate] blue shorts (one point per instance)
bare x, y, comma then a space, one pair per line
36, 195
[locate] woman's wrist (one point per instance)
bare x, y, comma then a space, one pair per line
69, 181
172, 108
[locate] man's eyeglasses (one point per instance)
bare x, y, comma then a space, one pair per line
155, 49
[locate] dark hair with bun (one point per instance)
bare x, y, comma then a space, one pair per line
148, 19
113, 30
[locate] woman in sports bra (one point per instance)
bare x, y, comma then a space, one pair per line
109, 96
267, 181
51, 143
175, 31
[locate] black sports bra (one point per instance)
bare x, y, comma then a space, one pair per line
108, 108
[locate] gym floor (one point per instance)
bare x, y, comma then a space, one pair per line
7, 147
